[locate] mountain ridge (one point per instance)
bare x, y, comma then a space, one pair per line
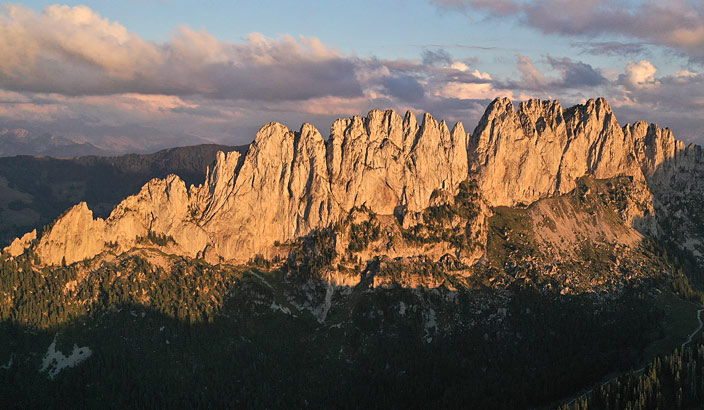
19, 141
290, 183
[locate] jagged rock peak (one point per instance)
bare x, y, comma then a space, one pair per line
550, 111
19, 245
598, 106
385, 161
410, 119
500, 104
502, 107
72, 236
541, 149
270, 134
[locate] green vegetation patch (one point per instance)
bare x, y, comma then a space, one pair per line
449, 222
362, 233
311, 254
672, 381
508, 233
190, 290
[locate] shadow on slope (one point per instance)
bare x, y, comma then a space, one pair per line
678, 191
157, 342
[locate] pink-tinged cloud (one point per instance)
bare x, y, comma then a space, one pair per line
92, 78
74, 51
639, 74
531, 77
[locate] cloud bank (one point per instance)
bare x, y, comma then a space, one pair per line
74, 51
79, 73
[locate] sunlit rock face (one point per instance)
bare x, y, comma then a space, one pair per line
287, 184
161, 208
292, 182
541, 149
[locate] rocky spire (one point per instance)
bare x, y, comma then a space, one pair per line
653, 145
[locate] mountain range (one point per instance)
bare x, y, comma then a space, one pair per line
396, 263
71, 139
291, 183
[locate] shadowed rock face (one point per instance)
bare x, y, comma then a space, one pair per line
289, 183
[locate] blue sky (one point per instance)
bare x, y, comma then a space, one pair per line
393, 28
134, 74
382, 28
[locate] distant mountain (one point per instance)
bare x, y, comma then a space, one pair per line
21, 142
35, 190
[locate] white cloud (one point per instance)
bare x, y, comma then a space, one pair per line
471, 91
75, 51
459, 66
62, 34
640, 74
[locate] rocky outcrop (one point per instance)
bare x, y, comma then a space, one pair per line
653, 145
19, 245
385, 161
675, 176
159, 214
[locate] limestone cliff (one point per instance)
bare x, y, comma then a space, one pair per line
653, 146
290, 183
675, 176
159, 210
18, 246
287, 184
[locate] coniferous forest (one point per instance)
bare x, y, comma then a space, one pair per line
202, 336
674, 381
